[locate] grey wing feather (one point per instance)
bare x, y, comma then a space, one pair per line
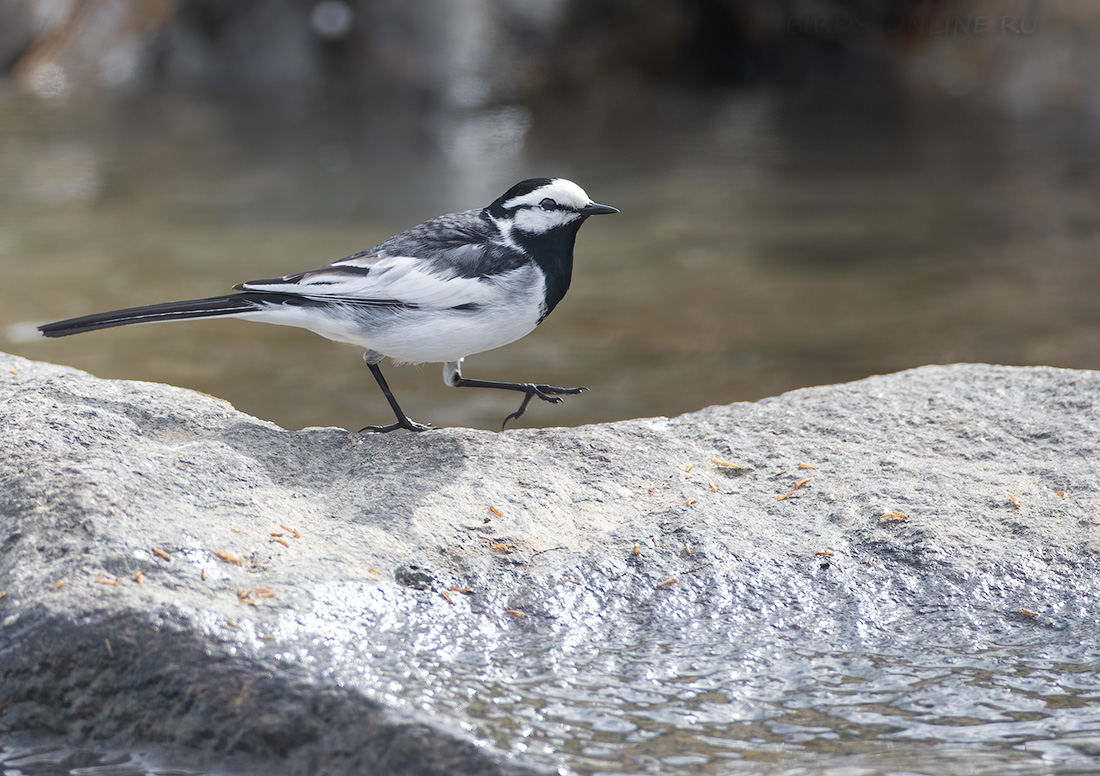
465, 244
439, 263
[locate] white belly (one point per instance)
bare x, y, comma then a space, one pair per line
422, 335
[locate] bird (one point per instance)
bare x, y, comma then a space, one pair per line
448, 288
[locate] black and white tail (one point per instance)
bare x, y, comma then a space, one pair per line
230, 304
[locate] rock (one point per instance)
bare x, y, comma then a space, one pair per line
1024, 59
180, 574
89, 47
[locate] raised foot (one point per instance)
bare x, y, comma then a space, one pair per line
545, 392
408, 425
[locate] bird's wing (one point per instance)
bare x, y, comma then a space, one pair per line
456, 241
441, 263
390, 281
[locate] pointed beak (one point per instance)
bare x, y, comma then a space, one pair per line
596, 209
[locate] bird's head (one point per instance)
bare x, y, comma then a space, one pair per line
541, 205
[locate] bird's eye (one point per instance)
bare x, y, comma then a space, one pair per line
548, 204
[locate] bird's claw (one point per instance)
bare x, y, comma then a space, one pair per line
544, 392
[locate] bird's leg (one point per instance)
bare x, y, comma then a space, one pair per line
452, 375
403, 420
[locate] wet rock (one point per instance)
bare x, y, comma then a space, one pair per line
87, 48
1024, 59
412, 575
454, 56
461, 57
180, 573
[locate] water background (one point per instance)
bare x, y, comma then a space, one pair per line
768, 240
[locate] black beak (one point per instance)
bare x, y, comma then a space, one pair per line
596, 209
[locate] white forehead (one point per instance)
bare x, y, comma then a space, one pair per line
559, 189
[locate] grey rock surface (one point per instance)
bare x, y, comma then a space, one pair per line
178, 573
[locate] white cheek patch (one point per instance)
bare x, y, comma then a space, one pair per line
536, 220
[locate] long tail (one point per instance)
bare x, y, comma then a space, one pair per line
230, 304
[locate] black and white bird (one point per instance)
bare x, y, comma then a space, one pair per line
450, 287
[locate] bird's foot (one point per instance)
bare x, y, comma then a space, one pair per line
404, 423
543, 391
549, 393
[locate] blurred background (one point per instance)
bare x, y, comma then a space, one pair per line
812, 191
